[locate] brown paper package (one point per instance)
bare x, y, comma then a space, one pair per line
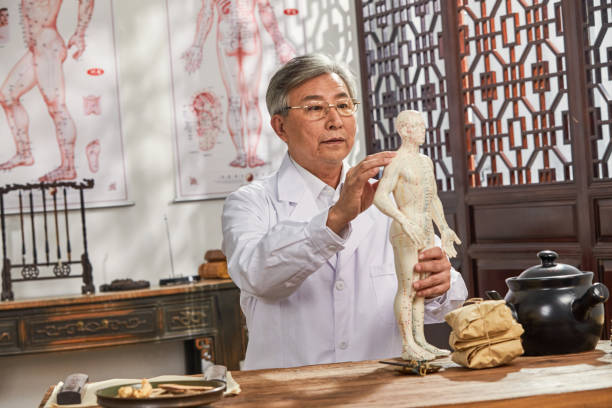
484, 334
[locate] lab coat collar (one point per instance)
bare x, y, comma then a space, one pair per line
360, 229
291, 185
292, 189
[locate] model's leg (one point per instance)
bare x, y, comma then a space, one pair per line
230, 67
249, 88
49, 55
405, 259
234, 125
20, 80
418, 311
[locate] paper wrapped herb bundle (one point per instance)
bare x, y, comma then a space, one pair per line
484, 334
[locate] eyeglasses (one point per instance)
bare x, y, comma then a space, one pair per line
318, 109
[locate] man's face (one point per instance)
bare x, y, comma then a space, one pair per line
3, 17
321, 143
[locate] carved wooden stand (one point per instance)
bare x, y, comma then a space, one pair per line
61, 268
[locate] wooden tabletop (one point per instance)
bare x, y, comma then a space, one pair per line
582, 379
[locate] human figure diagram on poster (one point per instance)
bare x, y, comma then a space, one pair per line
41, 66
239, 55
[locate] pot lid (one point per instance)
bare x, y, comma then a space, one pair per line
549, 268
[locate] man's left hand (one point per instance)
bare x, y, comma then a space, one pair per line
432, 261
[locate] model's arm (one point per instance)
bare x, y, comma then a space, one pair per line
193, 56
267, 257
78, 38
383, 202
386, 185
284, 50
448, 236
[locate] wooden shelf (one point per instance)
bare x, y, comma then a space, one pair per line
206, 312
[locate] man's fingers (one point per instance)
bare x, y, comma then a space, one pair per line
388, 154
433, 291
432, 280
432, 266
431, 253
376, 160
434, 285
369, 167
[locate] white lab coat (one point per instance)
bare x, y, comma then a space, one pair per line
302, 307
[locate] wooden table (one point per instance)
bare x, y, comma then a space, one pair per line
583, 379
206, 313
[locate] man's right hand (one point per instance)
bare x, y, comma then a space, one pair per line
357, 193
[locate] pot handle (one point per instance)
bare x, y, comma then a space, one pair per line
494, 295
597, 293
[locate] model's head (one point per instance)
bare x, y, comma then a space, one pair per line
411, 126
4, 15
299, 70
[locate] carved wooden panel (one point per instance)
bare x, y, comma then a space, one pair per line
66, 328
493, 279
598, 56
522, 223
405, 70
196, 316
204, 310
514, 85
603, 208
8, 335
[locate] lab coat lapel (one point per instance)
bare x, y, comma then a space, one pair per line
360, 230
293, 193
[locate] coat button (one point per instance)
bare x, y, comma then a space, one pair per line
339, 284
343, 345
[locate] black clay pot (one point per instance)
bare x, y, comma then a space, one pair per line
558, 306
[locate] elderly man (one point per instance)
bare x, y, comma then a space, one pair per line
309, 253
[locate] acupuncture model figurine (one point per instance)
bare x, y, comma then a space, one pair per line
410, 178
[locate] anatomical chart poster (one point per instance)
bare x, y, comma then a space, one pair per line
60, 117
223, 53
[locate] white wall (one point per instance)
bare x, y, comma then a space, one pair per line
131, 241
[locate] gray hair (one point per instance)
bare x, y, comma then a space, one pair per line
299, 70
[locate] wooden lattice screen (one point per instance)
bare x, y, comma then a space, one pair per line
401, 45
598, 60
514, 84
517, 96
